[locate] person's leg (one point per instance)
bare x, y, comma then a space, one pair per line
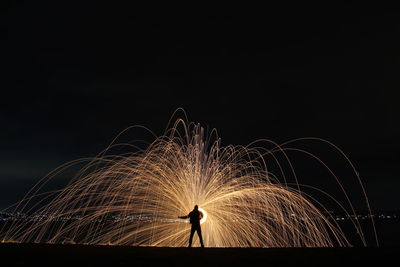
200, 236
191, 236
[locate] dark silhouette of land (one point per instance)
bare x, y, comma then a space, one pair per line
13, 254
195, 216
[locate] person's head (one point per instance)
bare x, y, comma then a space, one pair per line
196, 207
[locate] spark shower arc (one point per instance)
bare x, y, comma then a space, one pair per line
134, 198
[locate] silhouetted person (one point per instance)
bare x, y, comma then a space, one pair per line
195, 216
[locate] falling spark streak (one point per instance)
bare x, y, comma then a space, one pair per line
135, 198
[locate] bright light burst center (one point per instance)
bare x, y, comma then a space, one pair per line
204, 219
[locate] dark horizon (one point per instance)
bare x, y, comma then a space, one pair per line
75, 76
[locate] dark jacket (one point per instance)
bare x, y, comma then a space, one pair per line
195, 216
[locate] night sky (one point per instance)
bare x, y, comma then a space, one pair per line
73, 77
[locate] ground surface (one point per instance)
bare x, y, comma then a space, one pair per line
80, 255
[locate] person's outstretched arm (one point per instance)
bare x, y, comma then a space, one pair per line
183, 217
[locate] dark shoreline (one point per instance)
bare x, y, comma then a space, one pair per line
15, 254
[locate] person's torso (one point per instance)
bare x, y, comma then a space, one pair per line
194, 217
